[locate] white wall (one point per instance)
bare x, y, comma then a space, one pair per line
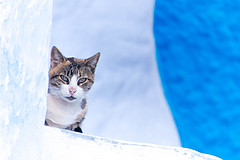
24, 48
127, 100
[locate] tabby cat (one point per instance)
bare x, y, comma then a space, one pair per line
70, 79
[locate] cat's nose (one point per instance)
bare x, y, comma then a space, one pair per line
72, 90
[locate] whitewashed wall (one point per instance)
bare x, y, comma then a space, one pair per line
24, 48
127, 101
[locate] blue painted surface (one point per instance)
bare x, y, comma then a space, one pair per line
198, 54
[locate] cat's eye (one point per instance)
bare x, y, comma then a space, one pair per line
64, 78
82, 80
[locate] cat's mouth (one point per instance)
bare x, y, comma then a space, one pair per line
71, 98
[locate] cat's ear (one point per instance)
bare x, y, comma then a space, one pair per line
92, 61
56, 57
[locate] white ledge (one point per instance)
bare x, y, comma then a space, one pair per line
63, 144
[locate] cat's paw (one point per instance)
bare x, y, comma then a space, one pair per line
78, 129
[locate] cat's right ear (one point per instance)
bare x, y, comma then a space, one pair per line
56, 57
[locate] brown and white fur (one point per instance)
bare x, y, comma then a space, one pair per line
70, 79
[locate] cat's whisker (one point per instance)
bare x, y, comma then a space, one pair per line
91, 102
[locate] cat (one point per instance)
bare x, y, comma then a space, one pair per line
70, 79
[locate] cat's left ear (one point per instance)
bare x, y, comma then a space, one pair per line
92, 61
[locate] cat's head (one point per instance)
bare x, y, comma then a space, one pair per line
71, 78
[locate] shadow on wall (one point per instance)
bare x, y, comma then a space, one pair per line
122, 32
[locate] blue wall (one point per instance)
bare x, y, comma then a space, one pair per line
198, 54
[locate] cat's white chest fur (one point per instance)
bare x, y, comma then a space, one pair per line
63, 113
